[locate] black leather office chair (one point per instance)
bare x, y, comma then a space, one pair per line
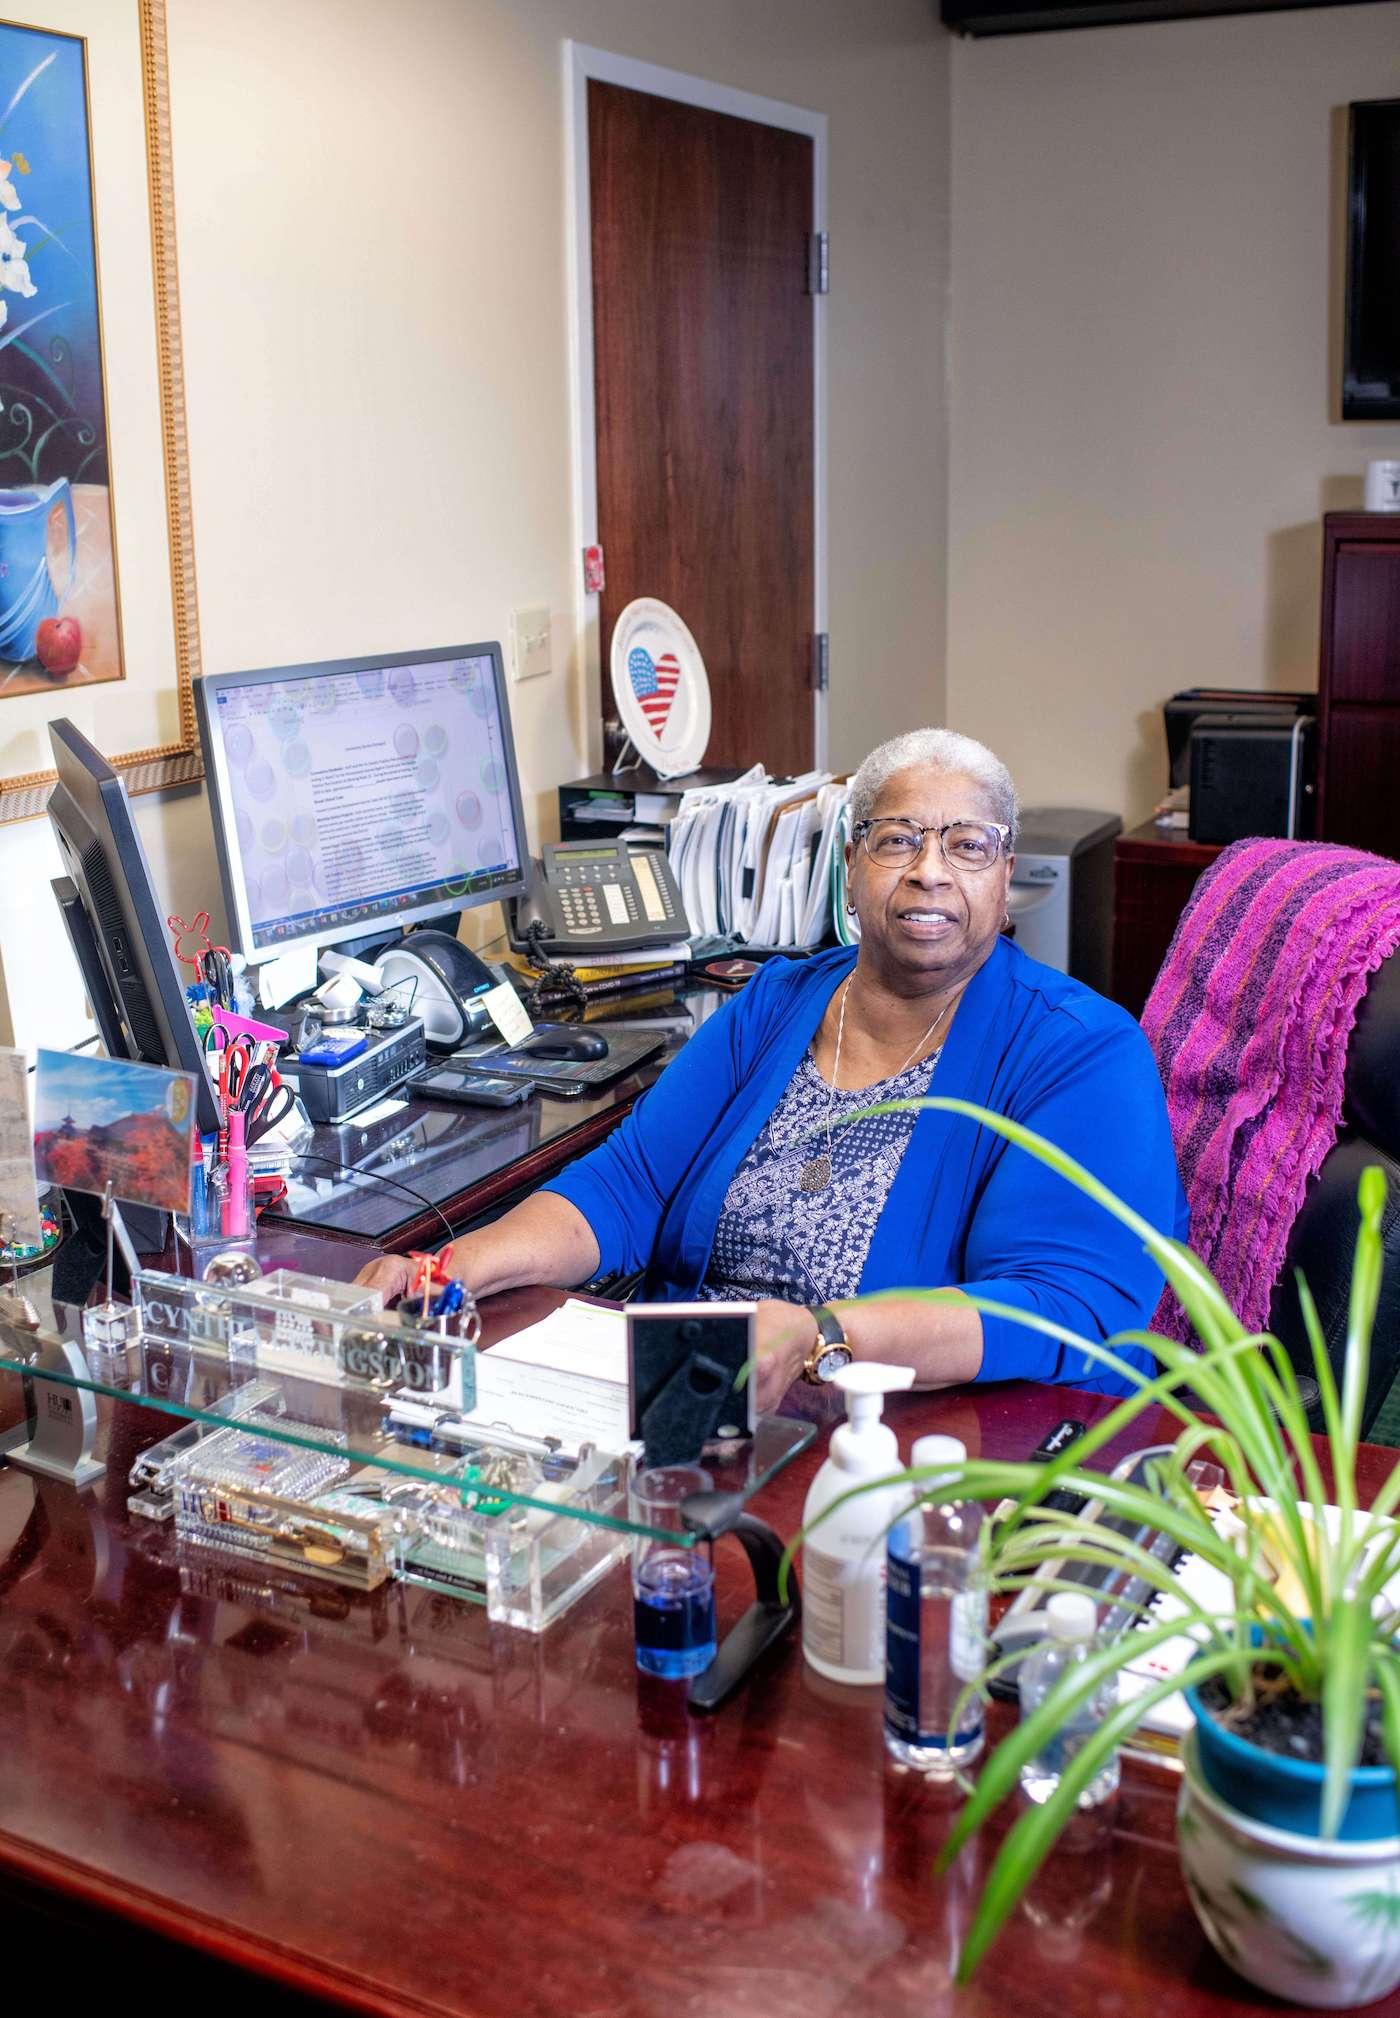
1324, 1233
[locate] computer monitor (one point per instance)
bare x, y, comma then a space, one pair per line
117, 927
358, 796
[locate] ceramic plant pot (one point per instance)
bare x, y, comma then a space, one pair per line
1312, 1920
1287, 1793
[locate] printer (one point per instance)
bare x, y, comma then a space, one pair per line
1249, 759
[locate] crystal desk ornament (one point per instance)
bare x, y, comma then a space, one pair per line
153, 1474
248, 1495
531, 1560
64, 1412
234, 1268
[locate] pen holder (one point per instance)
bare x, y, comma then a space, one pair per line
463, 1322
220, 1215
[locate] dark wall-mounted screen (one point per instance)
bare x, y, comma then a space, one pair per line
1371, 363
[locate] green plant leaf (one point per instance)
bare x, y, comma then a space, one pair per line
1245, 1409
1387, 1672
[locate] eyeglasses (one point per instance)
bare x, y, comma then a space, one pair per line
963, 844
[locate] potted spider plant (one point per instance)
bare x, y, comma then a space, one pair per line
1288, 1827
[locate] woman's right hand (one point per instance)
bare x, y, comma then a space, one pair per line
388, 1273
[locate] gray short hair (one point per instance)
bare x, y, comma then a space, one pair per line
945, 750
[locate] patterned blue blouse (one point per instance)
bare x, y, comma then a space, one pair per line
775, 1239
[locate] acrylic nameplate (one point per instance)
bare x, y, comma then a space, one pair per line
308, 1327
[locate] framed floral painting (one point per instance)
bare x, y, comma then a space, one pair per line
92, 432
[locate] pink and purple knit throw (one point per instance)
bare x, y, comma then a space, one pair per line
1250, 1019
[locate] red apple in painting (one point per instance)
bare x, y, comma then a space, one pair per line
59, 644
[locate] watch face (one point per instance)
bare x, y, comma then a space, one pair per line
832, 1360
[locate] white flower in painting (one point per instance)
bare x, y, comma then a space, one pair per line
7, 188
14, 273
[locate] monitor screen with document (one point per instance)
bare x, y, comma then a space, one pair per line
360, 794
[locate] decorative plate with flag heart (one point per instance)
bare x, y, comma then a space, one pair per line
659, 683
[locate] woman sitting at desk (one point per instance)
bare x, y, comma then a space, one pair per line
731, 1179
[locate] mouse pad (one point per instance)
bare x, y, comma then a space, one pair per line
626, 1049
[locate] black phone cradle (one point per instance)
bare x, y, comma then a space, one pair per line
768, 1619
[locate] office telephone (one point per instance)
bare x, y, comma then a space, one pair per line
599, 897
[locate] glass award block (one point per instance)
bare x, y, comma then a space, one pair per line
250, 1495
538, 1562
530, 1558
153, 1474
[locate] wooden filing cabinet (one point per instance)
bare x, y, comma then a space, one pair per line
1359, 682
1155, 869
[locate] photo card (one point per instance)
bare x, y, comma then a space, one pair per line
100, 1121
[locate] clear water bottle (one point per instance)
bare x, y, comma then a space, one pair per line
1071, 1622
935, 1624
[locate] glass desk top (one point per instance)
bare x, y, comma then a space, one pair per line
329, 1373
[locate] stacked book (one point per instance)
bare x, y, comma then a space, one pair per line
608, 974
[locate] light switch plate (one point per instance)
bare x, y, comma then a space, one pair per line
530, 642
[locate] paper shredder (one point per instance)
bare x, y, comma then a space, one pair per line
1061, 901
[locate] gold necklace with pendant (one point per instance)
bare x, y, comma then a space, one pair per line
815, 1173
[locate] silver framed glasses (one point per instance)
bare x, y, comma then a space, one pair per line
963, 844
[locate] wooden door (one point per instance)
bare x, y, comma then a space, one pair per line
702, 333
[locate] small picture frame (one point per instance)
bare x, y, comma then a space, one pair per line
690, 1376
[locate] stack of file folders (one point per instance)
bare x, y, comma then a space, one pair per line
762, 861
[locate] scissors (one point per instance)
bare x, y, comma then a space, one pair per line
275, 1106
265, 1099
216, 968
235, 1065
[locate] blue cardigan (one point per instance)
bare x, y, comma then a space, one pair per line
966, 1208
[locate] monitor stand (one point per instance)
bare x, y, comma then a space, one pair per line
382, 940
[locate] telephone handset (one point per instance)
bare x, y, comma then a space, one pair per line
601, 897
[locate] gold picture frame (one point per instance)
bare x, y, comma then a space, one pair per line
163, 762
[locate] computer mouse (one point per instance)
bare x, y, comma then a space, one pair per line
556, 1042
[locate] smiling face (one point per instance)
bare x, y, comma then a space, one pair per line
928, 925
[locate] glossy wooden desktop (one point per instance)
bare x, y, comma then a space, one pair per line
403, 1172
385, 1802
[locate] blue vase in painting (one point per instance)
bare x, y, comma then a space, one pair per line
38, 545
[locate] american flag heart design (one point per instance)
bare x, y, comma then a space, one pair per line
654, 682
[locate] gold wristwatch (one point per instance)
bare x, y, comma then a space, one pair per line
830, 1351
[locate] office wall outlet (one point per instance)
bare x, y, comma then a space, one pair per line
529, 642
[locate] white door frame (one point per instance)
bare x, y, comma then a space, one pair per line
580, 64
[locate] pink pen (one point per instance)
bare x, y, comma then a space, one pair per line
236, 1206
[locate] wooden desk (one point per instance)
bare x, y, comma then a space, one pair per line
387, 1803
1155, 869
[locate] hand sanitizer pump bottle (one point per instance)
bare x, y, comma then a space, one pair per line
843, 1561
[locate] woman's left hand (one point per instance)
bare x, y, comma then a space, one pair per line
784, 1334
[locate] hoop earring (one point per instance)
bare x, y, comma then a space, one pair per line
850, 909
1006, 921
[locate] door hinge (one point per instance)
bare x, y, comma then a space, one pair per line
818, 264
821, 663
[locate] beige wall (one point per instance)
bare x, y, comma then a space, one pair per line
1142, 432
372, 233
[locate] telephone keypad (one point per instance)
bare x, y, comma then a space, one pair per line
600, 897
